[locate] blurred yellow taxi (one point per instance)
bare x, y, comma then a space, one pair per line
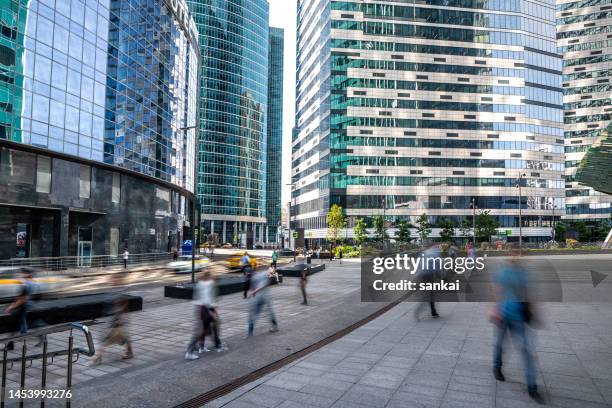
233, 262
11, 283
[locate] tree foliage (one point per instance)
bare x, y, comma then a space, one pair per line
361, 234
486, 226
404, 235
560, 231
379, 228
447, 229
423, 227
466, 227
336, 221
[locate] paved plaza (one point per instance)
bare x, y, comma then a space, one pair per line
392, 361
396, 361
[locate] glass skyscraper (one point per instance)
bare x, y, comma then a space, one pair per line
233, 124
275, 132
96, 96
584, 40
423, 107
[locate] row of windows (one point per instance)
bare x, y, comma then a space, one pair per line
456, 17
341, 122
585, 17
347, 141
588, 60
342, 181
588, 118
445, 34
343, 161
340, 82
532, 8
588, 74
425, 49
341, 102
452, 202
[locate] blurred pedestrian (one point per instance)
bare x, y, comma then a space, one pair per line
303, 282
21, 303
274, 258
245, 265
118, 332
261, 299
340, 254
204, 298
513, 313
126, 255
429, 273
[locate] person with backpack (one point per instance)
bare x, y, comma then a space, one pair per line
513, 313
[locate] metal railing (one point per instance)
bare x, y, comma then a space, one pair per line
70, 352
69, 264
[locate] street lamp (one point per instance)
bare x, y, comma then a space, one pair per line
290, 201
384, 208
519, 185
473, 206
195, 211
554, 223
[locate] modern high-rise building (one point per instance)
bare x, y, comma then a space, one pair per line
423, 107
96, 97
276, 56
585, 40
233, 117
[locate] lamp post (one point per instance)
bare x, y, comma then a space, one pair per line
384, 232
290, 236
473, 205
195, 212
554, 224
519, 185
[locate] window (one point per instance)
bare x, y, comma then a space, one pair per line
43, 174
114, 241
85, 182
116, 194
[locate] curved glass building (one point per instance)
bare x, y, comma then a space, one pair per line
233, 117
97, 98
413, 107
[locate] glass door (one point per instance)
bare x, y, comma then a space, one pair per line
85, 246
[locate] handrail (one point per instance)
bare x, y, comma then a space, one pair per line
24, 358
57, 329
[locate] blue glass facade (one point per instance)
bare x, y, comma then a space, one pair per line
97, 94
233, 110
275, 132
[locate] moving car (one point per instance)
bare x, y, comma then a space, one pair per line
285, 252
233, 262
11, 283
183, 264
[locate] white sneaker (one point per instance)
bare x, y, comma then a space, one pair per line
191, 356
221, 348
203, 350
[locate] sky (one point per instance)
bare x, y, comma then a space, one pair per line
282, 14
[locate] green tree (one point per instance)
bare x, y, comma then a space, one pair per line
584, 234
486, 226
361, 234
560, 231
447, 232
336, 221
466, 227
403, 234
603, 229
379, 228
423, 227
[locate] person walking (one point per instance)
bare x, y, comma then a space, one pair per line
118, 333
204, 298
21, 303
513, 313
126, 256
429, 273
261, 298
245, 264
303, 282
340, 254
274, 258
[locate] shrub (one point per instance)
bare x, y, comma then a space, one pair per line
572, 243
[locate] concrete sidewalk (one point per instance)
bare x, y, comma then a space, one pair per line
397, 361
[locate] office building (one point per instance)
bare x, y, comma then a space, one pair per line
412, 108
95, 154
585, 40
275, 134
233, 110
